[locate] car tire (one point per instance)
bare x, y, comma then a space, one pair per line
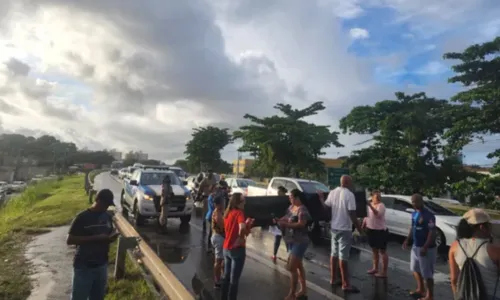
138, 218
441, 242
186, 219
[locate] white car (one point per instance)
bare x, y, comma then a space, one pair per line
240, 185
398, 218
18, 186
179, 172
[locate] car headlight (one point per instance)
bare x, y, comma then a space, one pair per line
148, 197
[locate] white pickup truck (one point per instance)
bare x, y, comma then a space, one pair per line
303, 185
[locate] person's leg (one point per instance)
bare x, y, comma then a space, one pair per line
82, 284
415, 268
98, 290
375, 256
277, 241
209, 240
226, 276
238, 259
345, 241
427, 264
292, 267
217, 241
300, 270
385, 263
334, 256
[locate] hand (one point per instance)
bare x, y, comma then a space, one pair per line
405, 244
275, 221
423, 251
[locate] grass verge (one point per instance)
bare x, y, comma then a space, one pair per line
49, 204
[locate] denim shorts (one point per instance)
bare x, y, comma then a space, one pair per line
423, 264
217, 243
341, 244
298, 249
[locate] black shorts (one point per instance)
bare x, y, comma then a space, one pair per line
377, 239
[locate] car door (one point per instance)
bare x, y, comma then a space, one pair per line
272, 189
290, 185
402, 216
390, 216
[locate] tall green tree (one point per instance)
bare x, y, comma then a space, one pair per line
408, 154
478, 70
203, 150
285, 144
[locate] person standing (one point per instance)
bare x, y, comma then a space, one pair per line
294, 223
207, 185
342, 203
474, 242
423, 251
276, 231
236, 229
166, 194
217, 225
92, 231
377, 234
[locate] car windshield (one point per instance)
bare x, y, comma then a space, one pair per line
178, 172
246, 183
312, 187
157, 178
438, 210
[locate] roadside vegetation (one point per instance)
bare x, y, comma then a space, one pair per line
49, 204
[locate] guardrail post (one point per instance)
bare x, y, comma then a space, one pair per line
124, 244
92, 192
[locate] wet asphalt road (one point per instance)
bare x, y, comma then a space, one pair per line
184, 251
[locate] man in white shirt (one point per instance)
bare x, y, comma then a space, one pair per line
342, 203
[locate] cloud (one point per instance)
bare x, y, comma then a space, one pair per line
131, 75
359, 33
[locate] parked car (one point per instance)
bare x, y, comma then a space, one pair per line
398, 218
304, 185
18, 186
141, 195
114, 172
240, 185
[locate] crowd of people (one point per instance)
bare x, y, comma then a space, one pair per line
473, 258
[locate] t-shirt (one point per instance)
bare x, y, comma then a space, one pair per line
341, 200
376, 222
206, 184
89, 223
294, 215
232, 229
422, 222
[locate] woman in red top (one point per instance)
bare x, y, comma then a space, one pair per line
236, 229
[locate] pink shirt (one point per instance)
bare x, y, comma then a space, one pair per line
376, 222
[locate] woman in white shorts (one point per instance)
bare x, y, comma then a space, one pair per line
218, 238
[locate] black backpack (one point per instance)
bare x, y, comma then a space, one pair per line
470, 282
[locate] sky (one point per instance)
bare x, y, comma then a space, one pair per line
140, 75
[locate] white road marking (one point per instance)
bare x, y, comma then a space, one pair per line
282, 270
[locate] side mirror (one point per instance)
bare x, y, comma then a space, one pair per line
184, 182
133, 182
410, 210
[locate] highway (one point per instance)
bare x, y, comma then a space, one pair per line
184, 252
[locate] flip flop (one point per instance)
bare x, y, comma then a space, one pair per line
336, 283
378, 275
351, 290
371, 272
415, 294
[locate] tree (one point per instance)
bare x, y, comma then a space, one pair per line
286, 144
184, 164
408, 154
478, 71
203, 150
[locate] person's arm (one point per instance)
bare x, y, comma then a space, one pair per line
379, 211
329, 199
351, 207
76, 234
430, 236
454, 270
244, 230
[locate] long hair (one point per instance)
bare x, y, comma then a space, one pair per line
465, 230
234, 203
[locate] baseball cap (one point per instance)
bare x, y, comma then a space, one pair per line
476, 216
105, 197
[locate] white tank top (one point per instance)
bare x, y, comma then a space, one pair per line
488, 269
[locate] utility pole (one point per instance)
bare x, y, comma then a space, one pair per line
238, 164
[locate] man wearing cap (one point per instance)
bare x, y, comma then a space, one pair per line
92, 231
423, 251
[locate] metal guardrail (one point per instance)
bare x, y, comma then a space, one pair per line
130, 239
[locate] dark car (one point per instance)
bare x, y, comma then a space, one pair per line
114, 172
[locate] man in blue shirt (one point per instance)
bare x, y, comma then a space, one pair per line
423, 252
92, 231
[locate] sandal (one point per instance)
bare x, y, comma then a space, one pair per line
416, 294
371, 272
380, 275
336, 283
351, 290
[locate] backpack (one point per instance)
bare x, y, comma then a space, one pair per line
470, 284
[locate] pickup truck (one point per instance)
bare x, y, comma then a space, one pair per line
142, 192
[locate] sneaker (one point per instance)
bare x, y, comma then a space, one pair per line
273, 258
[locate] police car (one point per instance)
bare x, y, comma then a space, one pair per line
143, 189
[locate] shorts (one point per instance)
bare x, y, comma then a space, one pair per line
341, 244
217, 242
423, 264
298, 249
377, 238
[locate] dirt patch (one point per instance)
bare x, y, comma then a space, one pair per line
51, 261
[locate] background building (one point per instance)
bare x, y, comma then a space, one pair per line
118, 155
